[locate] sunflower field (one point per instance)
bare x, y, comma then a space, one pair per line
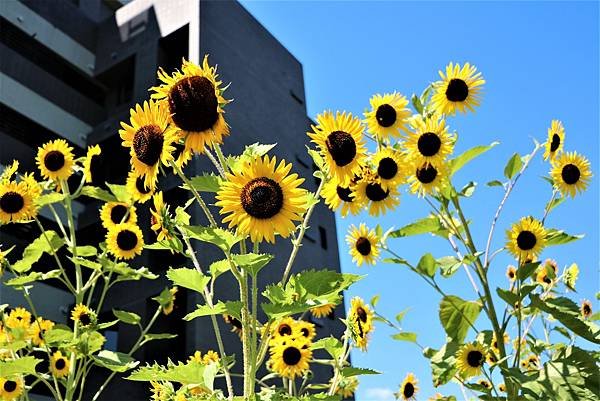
491, 352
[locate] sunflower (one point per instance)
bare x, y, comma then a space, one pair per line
195, 100
586, 309
157, 218
388, 115
571, 173
502, 387
262, 199
322, 311
16, 203
370, 192
505, 340
346, 386
408, 388
168, 308
427, 178
18, 318
484, 383
532, 362
235, 323
305, 330
91, 160
37, 330
210, 357
364, 244
430, 142
33, 187
9, 171
570, 276
160, 392
125, 240
284, 328
556, 139
389, 167
336, 195
113, 213
83, 316
137, 189
458, 90
360, 319
547, 272
149, 139
55, 160
181, 155
526, 239
470, 359
59, 365
11, 388
290, 357
340, 141
511, 273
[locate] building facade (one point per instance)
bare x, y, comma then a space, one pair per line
72, 69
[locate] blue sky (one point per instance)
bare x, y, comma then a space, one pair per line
540, 60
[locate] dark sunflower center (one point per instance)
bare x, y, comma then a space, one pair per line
546, 279
429, 144
362, 314
426, 174
342, 147
127, 240
10, 386
363, 246
457, 90
148, 144
60, 364
587, 309
85, 319
475, 359
54, 160
387, 168
11, 202
305, 332
193, 104
526, 240
291, 356
375, 193
409, 390
236, 323
570, 174
511, 274
141, 186
117, 213
555, 143
386, 115
344, 194
285, 330
262, 198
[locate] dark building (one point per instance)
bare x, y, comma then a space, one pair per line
72, 69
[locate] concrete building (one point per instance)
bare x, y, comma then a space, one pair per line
73, 68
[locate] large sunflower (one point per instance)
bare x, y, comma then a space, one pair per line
388, 115
526, 239
11, 388
556, 140
137, 189
195, 100
571, 173
408, 388
430, 141
427, 178
262, 199
92, 158
336, 195
16, 203
369, 191
290, 357
340, 141
113, 213
59, 365
149, 139
55, 160
390, 167
125, 240
360, 320
470, 359
364, 245
458, 90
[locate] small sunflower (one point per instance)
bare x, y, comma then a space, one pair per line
369, 191
484, 383
91, 160
526, 239
322, 311
408, 388
430, 142
125, 241
235, 323
11, 388
290, 357
458, 90
168, 308
210, 357
262, 199
113, 213
195, 101
532, 362
37, 331
470, 359
137, 189
305, 330
571, 173
388, 115
427, 178
157, 217
547, 272
83, 316
16, 203
55, 160
511, 273
340, 140
389, 167
149, 139
556, 140
59, 365
570, 276
19, 318
346, 386
502, 387
364, 245
505, 340
284, 328
336, 195
360, 320
586, 309
9, 171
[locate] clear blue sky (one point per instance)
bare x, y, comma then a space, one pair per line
540, 61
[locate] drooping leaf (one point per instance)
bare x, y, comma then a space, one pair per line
405, 336
49, 199
457, 316
252, 262
559, 237
332, 345
427, 265
32, 277
98, 193
354, 371
114, 361
458, 162
48, 242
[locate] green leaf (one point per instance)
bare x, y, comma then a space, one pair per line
114, 361
49, 199
21, 366
468, 189
86, 251
495, 183
191, 373
224, 239
257, 150
427, 265
317, 158
119, 192
172, 244
375, 300
458, 162
508, 296
443, 364
513, 166
252, 262
48, 242
127, 317
219, 267
188, 278
416, 102
527, 270
332, 345
457, 316
426, 225
354, 371
405, 336
97, 193
401, 314
32, 277
448, 265
205, 183
58, 335
230, 307
559, 237
157, 336
555, 202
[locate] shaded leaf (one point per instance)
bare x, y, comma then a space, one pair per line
457, 316
48, 242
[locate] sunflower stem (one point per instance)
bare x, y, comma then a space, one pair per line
197, 196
